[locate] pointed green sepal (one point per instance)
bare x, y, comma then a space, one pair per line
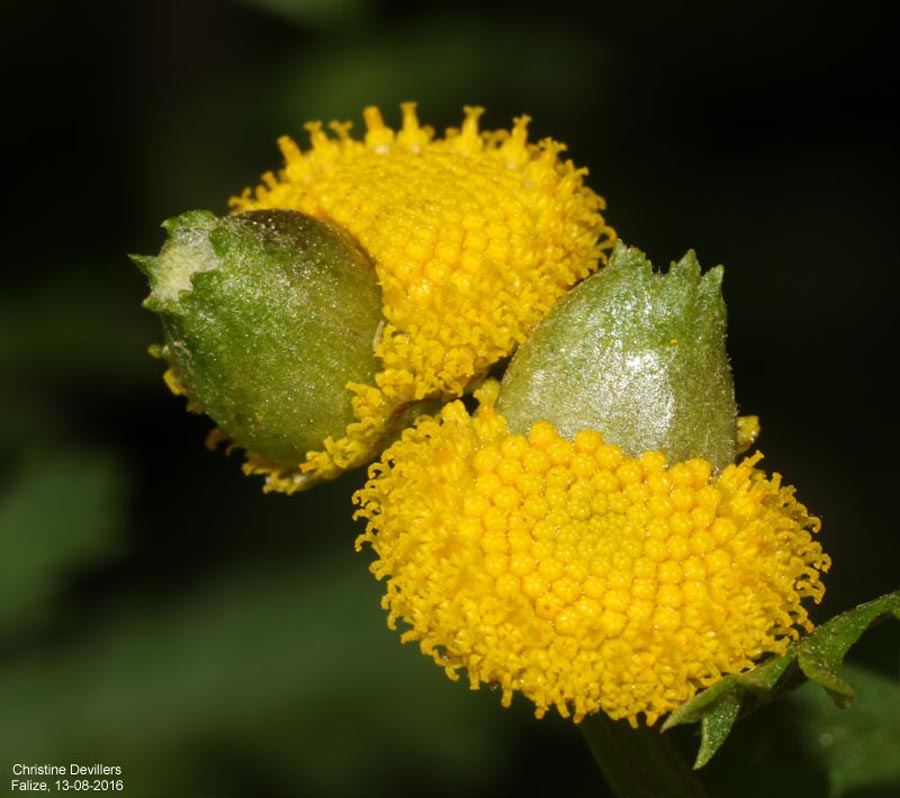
817, 657
146, 263
821, 653
267, 316
636, 355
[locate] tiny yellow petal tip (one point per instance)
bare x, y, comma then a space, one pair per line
748, 430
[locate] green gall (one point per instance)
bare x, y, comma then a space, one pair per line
636, 355
267, 316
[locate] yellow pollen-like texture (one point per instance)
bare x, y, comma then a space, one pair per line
474, 237
584, 579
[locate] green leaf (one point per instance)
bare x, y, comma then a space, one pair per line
717, 708
716, 726
817, 657
820, 655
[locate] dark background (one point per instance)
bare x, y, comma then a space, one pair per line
158, 612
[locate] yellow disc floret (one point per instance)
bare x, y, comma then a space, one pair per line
474, 237
584, 579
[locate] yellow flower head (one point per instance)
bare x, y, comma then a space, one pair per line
582, 578
474, 237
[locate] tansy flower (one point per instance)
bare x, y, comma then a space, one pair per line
474, 236
580, 577
586, 538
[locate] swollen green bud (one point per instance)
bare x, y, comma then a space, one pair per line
637, 356
267, 316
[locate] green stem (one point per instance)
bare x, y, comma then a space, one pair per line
639, 763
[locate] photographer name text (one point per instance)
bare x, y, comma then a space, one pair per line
69, 777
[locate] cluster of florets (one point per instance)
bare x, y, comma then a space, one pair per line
582, 578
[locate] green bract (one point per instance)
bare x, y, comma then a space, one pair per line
638, 356
267, 316
817, 657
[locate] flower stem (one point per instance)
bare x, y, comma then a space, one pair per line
639, 763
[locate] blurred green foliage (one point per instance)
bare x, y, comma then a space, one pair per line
859, 748
265, 672
158, 612
62, 511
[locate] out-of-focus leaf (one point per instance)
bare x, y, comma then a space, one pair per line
859, 747
62, 332
58, 512
316, 12
292, 669
818, 657
443, 62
